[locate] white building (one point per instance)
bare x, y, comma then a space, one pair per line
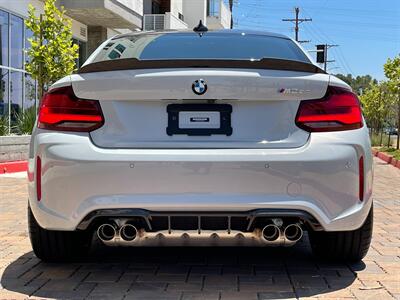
185, 14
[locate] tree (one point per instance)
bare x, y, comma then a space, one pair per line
377, 104
392, 72
359, 84
52, 53
374, 107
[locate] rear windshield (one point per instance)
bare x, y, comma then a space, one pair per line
190, 45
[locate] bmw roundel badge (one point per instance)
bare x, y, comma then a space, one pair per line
199, 87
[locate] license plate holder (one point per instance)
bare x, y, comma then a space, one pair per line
199, 119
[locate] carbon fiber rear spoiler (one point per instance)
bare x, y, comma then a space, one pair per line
265, 63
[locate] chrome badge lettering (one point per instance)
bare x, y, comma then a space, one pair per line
293, 91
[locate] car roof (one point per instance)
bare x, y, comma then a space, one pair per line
213, 32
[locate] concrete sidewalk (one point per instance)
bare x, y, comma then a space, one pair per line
207, 273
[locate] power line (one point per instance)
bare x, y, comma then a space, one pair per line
341, 56
297, 21
337, 50
358, 33
319, 35
319, 40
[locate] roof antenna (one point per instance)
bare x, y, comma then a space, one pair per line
200, 29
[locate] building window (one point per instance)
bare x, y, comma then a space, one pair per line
16, 94
3, 38
82, 52
3, 93
28, 35
213, 8
18, 91
17, 88
17, 41
30, 92
155, 7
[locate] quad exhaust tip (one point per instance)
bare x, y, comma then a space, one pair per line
128, 232
293, 232
271, 233
106, 232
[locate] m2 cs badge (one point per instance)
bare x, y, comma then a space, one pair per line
293, 91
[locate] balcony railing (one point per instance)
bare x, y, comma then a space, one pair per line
162, 22
153, 22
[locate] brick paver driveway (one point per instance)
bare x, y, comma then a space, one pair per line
210, 273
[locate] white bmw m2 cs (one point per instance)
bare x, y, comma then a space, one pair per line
200, 138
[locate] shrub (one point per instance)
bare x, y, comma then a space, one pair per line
3, 125
26, 121
391, 151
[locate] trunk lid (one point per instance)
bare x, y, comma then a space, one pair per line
264, 104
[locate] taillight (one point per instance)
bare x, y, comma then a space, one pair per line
338, 110
61, 110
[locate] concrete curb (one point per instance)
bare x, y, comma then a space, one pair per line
13, 166
14, 148
386, 158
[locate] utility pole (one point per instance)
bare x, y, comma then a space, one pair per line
326, 61
322, 54
231, 9
297, 21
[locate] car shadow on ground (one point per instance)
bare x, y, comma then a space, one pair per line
180, 273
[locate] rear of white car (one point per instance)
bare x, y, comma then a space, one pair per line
180, 138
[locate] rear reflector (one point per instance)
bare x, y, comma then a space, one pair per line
38, 178
361, 178
61, 110
338, 110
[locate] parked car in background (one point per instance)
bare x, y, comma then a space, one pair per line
393, 131
200, 138
390, 130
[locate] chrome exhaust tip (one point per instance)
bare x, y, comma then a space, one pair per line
106, 232
128, 232
293, 232
271, 233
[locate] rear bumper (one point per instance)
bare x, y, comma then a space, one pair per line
321, 178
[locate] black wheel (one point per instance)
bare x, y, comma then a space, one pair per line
57, 246
343, 245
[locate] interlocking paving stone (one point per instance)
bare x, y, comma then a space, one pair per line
153, 295
201, 296
162, 278
185, 286
239, 295
203, 273
276, 295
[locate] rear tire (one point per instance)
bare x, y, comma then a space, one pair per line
57, 246
343, 245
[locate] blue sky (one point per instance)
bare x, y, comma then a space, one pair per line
368, 31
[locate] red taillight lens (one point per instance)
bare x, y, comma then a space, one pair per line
62, 110
338, 110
